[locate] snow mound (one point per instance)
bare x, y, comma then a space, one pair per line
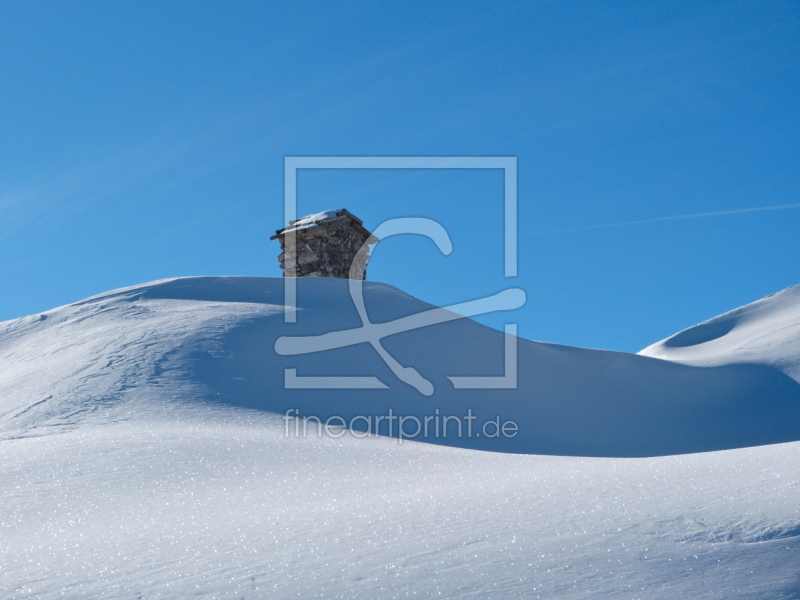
765, 332
211, 341
144, 454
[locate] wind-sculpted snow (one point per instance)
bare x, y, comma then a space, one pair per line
765, 332
214, 506
213, 340
144, 454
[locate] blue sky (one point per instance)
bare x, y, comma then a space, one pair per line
146, 140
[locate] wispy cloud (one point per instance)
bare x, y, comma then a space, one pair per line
720, 213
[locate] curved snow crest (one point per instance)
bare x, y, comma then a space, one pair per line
765, 332
241, 290
186, 344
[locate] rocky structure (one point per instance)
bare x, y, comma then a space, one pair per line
324, 245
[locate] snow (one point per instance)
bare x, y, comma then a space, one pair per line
143, 453
312, 220
766, 332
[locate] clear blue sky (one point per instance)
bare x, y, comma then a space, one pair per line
143, 140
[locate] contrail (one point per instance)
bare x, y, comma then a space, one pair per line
672, 218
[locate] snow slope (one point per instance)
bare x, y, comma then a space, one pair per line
143, 453
213, 340
766, 332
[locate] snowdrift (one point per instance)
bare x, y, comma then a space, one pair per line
212, 340
765, 332
143, 454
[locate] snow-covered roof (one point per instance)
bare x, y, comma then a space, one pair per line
317, 220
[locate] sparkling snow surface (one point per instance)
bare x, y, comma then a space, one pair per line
143, 454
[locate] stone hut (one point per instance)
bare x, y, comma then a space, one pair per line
326, 245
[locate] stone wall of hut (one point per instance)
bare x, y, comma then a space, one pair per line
325, 250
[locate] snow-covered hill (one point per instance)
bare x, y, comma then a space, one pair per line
766, 332
144, 453
212, 340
